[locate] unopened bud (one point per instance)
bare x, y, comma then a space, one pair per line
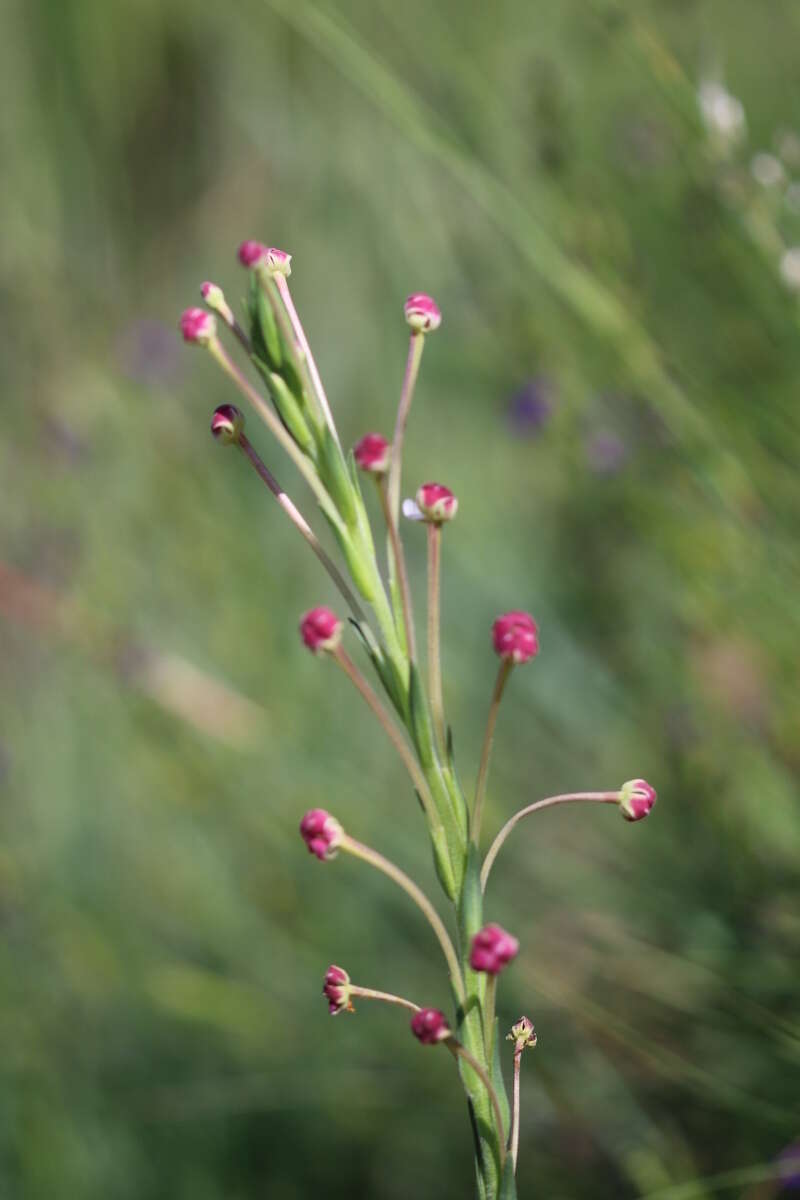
278, 262
515, 636
322, 833
492, 950
372, 453
321, 629
522, 1034
253, 254
198, 326
636, 798
337, 990
215, 299
429, 1026
422, 313
436, 502
227, 424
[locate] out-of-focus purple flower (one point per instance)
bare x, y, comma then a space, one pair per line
530, 407
606, 452
147, 352
789, 1167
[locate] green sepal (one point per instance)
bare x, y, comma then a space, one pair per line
336, 479
363, 577
291, 413
421, 727
441, 860
508, 1184
457, 799
264, 335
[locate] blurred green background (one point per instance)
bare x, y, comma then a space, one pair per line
612, 395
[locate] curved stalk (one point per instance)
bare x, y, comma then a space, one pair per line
415, 347
368, 855
387, 997
515, 1110
300, 523
549, 802
488, 739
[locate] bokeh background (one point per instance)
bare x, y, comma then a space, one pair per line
602, 198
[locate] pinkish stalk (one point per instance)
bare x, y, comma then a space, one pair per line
350, 669
488, 739
275, 427
549, 802
515, 1110
308, 358
300, 523
368, 855
400, 568
459, 1051
370, 994
434, 646
415, 347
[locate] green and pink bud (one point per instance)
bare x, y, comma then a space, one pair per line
492, 950
522, 1035
253, 254
436, 503
372, 453
198, 326
214, 297
321, 833
636, 798
429, 1026
515, 637
227, 424
422, 313
336, 990
321, 630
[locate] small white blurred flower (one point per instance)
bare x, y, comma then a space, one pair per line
787, 144
792, 197
767, 170
723, 115
790, 268
412, 511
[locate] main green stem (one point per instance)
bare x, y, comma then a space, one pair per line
434, 638
488, 739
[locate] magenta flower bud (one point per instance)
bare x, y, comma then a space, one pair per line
278, 261
253, 254
321, 629
515, 636
337, 990
422, 313
492, 949
372, 453
436, 502
430, 1026
636, 798
227, 424
215, 299
198, 326
322, 833
523, 1034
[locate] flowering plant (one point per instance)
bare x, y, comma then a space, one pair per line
297, 413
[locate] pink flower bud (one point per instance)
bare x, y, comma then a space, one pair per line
436, 502
492, 949
322, 833
321, 629
278, 262
430, 1026
372, 453
337, 990
422, 313
253, 254
515, 636
215, 299
227, 423
636, 798
523, 1034
198, 326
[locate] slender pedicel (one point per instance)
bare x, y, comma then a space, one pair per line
274, 425
415, 347
368, 855
214, 297
412, 766
387, 997
434, 644
227, 426
400, 568
302, 341
488, 739
522, 1035
338, 990
459, 1051
549, 802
